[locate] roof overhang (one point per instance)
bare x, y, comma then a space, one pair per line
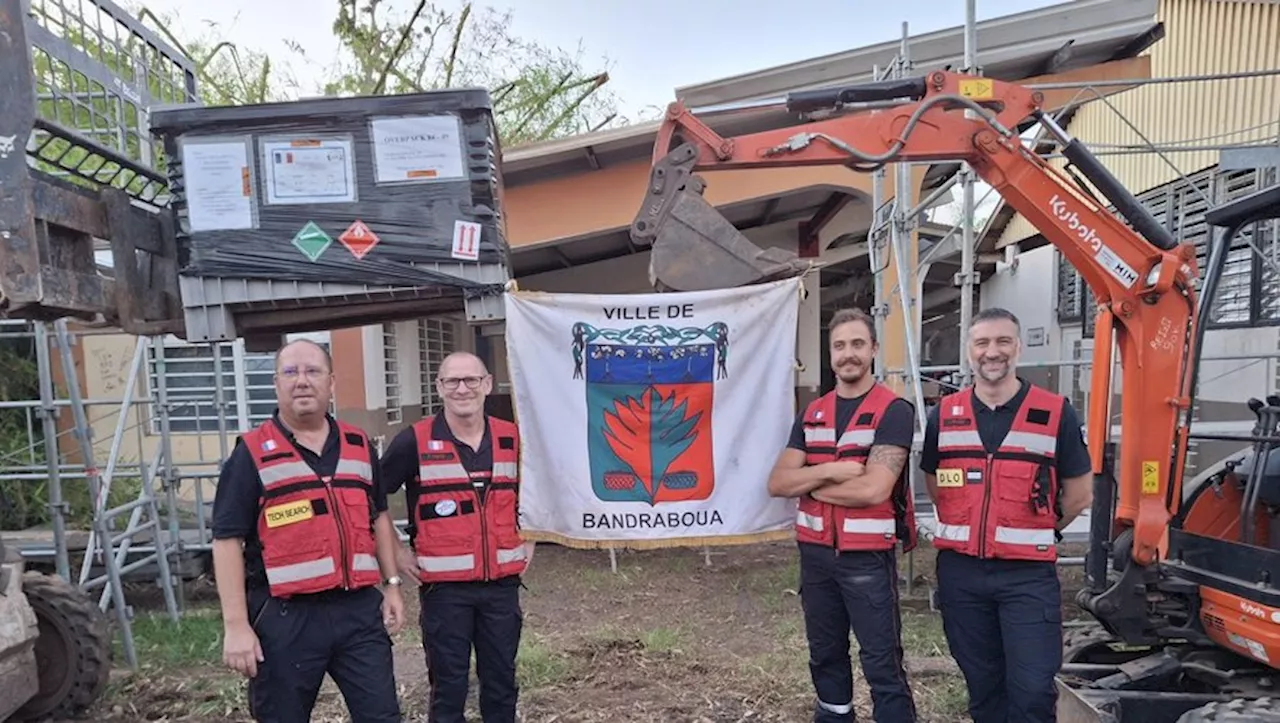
1037, 42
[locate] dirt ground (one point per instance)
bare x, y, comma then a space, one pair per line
667, 639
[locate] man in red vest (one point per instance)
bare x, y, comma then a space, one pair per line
1007, 468
302, 543
846, 463
461, 473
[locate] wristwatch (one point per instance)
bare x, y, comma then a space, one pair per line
393, 580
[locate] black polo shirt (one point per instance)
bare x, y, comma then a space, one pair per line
238, 500
1072, 456
400, 463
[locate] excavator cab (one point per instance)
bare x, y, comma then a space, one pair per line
1195, 636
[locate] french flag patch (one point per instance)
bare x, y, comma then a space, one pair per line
435, 445
268, 445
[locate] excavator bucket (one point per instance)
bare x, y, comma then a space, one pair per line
695, 248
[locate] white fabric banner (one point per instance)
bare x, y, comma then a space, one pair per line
652, 420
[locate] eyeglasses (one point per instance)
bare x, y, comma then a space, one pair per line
452, 383
312, 373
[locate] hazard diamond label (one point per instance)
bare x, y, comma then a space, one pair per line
312, 240
359, 238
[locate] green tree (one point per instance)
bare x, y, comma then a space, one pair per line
538, 93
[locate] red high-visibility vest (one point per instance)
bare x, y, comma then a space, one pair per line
316, 533
1001, 505
458, 535
879, 527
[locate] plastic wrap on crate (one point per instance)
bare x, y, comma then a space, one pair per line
377, 190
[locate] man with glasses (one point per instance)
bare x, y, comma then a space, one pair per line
302, 541
460, 469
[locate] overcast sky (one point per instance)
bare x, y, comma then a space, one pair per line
653, 46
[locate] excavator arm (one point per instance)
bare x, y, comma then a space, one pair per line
1142, 279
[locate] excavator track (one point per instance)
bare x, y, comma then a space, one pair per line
1241, 710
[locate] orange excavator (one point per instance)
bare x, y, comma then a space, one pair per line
1183, 591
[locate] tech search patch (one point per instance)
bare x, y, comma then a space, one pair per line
289, 513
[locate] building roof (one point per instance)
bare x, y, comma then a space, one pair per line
1011, 47
1070, 35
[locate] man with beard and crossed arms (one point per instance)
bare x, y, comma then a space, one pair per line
846, 462
1006, 465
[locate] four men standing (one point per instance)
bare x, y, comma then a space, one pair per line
303, 539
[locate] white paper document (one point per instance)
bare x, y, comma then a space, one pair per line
417, 149
309, 170
219, 193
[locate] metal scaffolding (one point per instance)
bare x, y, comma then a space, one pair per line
141, 536
893, 222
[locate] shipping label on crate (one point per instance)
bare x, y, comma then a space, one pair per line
309, 170
219, 190
417, 149
466, 240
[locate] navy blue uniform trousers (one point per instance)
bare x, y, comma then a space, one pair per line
1003, 622
340, 633
459, 616
859, 591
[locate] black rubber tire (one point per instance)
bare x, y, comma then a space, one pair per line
1240, 710
73, 652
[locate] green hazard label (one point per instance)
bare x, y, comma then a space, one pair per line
312, 240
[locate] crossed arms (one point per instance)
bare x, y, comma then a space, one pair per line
844, 483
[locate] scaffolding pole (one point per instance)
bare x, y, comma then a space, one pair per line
965, 278
902, 227
49, 423
875, 259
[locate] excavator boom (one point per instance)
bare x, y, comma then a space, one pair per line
1142, 279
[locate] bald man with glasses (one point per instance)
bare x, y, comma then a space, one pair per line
461, 474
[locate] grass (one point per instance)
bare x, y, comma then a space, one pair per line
666, 638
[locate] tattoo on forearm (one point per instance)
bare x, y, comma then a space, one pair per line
892, 458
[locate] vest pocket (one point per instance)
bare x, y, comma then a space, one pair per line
356, 510
1014, 482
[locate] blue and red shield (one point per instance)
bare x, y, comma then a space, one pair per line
649, 409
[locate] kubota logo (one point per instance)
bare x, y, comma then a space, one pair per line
1084, 231
1253, 609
